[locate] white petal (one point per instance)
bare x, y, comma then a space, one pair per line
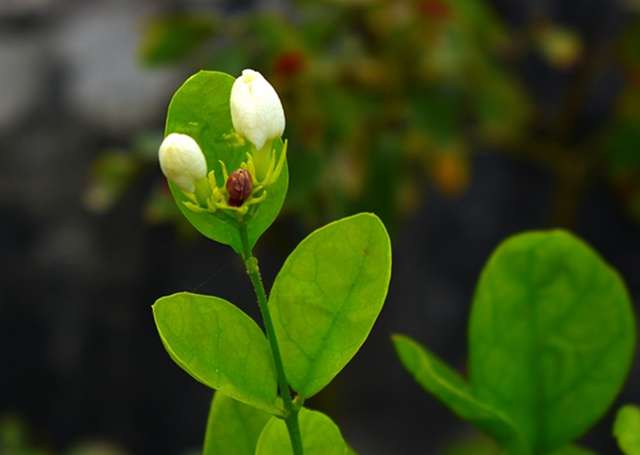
182, 161
256, 110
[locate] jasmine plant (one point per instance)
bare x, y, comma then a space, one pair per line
226, 166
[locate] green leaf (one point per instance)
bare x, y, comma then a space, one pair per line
551, 336
219, 345
327, 297
233, 428
200, 108
447, 385
320, 436
626, 429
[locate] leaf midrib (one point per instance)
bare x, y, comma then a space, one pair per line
313, 357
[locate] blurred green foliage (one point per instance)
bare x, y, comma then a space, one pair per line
546, 309
16, 439
382, 96
170, 38
626, 429
622, 139
475, 443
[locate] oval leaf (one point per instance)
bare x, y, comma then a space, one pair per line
627, 429
447, 385
320, 436
551, 336
327, 296
200, 108
233, 428
219, 345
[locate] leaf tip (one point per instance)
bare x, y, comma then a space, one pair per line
402, 344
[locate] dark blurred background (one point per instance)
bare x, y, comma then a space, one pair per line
460, 122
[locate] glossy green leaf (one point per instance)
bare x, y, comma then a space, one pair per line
233, 428
200, 108
626, 429
219, 345
320, 436
452, 390
551, 336
327, 297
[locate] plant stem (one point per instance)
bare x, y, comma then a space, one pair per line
291, 411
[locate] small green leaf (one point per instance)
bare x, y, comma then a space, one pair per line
233, 428
219, 345
551, 336
327, 297
320, 436
626, 429
200, 108
447, 385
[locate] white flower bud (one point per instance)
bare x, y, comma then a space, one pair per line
256, 110
182, 161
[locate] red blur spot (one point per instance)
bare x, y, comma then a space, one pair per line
289, 63
435, 9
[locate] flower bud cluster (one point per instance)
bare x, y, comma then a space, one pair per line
257, 115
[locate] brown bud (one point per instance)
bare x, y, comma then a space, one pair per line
239, 186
